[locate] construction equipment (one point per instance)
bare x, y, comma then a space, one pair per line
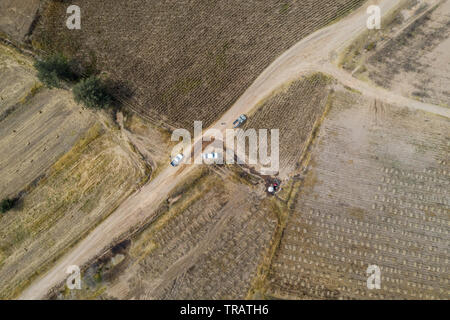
274, 187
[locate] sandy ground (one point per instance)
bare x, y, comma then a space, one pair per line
376, 192
414, 62
16, 17
310, 54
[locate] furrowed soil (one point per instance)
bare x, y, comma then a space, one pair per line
409, 55
177, 61
207, 243
294, 111
376, 193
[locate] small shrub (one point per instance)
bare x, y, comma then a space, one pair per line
54, 69
7, 204
371, 46
92, 93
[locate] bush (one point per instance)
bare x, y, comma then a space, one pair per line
92, 93
7, 204
53, 69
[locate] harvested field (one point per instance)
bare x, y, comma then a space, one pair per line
410, 54
17, 81
37, 125
206, 244
82, 188
17, 16
183, 61
376, 193
70, 167
294, 112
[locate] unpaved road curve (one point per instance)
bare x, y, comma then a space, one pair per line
379, 93
311, 54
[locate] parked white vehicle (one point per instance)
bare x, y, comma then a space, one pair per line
212, 155
177, 160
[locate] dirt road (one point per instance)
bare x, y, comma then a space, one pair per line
313, 53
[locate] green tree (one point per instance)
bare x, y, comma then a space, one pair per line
92, 93
53, 69
7, 204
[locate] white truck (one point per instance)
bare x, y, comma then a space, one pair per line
177, 160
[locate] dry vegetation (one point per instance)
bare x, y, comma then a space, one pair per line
368, 182
295, 112
152, 142
82, 188
409, 55
376, 192
184, 61
70, 168
37, 125
207, 243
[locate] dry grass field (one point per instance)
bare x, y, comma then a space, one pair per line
152, 142
376, 192
207, 243
409, 55
37, 125
81, 189
184, 61
295, 111
71, 168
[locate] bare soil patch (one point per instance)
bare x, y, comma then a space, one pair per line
410, 54
17, 16
376, 192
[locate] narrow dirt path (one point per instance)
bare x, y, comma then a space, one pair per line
309, 55
379, 93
